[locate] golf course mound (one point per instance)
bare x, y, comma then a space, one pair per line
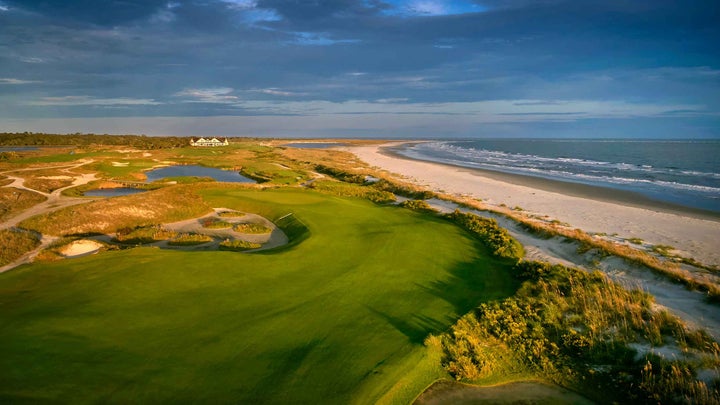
339, 314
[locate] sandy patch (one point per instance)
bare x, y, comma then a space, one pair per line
120, 164
56, 178
81, 248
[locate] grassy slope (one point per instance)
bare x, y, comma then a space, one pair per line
338, 318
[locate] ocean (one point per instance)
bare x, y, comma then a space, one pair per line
682, 172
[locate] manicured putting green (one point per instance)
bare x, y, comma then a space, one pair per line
337, 318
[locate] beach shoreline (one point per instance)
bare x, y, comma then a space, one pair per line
594, 192
693, 232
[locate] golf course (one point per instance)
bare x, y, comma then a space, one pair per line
338, 315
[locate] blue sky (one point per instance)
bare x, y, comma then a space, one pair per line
362, 68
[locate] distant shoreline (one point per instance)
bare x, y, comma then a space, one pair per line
598, 193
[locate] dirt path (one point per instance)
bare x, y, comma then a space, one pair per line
55, 201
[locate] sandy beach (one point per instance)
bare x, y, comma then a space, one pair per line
694, 234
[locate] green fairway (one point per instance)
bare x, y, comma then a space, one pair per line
337, 317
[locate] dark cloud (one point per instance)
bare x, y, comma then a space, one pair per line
145, 53
104, 12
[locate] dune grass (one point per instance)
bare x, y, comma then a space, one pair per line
339, 315
15, 243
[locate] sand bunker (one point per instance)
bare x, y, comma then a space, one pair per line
120, 164
81, 248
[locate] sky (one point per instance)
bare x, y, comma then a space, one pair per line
362, 68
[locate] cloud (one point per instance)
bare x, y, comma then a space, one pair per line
3, 7
414, 8
16, 81
217, 95
318, 39
91, 101
276, 92
33, 60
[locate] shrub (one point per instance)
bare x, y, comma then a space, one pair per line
214, 223
238, 245
340, 174
417, 205
487, 230
251, 228
231, 214
189, 239
564, 324
144, 234
404, 191
15, 243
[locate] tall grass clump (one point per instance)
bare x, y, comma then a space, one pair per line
189, 239
144, 234
251, 228
353, 190
238, 245
15, 243
417, 205
496, 238
574, 328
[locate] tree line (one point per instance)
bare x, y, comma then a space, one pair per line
77, 139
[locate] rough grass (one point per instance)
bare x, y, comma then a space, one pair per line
574, 328
215, 223
168, 204
189, 239
251, 228
15, 200
604, 247
144, 234
298, 325
238, 245
15, 243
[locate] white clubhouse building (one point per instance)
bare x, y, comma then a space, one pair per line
208, 142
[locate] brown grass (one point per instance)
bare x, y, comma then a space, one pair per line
107, 216
604, 247
14, 200
16, 243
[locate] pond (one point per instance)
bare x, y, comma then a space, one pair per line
314, 145
196, 171
112, 192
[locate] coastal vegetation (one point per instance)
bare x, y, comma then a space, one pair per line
496, 238
581, 330
189, 239
144, 234
251, 228
15, 200
110, 215
238, 245
15, 243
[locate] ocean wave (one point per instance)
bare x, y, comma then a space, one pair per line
518, 161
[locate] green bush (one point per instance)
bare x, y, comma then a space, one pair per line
340, 174
238, 245
566, 325
251, 228
189, 239
417, 205
214, 223
144, 234
496, 238
390, 187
